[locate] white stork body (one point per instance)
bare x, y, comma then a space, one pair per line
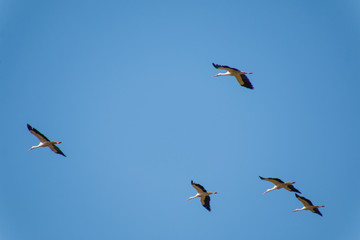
202, 194
308, 205
280, 184
44, 141
239, 75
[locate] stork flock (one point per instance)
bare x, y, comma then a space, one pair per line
201, 191
278, 184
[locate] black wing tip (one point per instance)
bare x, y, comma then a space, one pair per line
251, 88
296, 195
248, 85
293, 189
207, 203
246, 81
276, 179
261, 178
317, 212
224, 66
60, 152
198, 185
29, 127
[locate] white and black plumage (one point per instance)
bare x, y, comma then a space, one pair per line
308, 205
203, 194
280, 184
44, 141
239, 75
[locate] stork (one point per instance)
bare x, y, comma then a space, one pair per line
44, 141
203, 194
280, 184
239, 75
308, 205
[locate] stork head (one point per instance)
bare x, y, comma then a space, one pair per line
217, 75
58, 142
213, 193
246, 73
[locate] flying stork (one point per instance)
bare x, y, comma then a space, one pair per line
308, 205
280, 184
239, 75
203, 194
44, 141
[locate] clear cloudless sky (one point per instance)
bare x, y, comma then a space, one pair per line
127, 87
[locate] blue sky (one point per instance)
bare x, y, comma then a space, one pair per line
127, 87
